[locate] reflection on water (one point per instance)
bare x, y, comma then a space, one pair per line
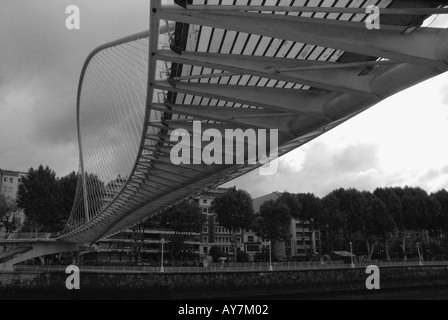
438, 293
431, 293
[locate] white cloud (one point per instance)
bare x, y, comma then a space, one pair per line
401, 141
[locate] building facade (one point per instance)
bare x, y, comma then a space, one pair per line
9, 185
213, 234
122, 248
304, 242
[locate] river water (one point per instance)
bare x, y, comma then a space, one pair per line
430, 293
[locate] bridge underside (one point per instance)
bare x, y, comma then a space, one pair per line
300, 69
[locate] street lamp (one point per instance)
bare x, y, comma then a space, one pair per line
351, 255
162, 269
270, 256
420, 260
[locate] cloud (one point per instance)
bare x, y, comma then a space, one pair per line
444, 93
357, 158
444, 170
41, 62
322, 170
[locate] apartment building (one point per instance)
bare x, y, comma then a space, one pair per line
213, 234
303, 240
9, 185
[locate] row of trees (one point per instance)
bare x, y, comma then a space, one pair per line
386, 213
343, 216
369, 219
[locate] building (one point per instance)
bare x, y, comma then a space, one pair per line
213, 234
303, 240
121, 248
9, 183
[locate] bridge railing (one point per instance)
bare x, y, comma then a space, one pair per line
255, 267
25, 236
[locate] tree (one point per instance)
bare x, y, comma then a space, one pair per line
391, 197
294, 205
351, 212
242, 257
311, 209
274, 221
65, 196
442, 198
216, 254
184, 219
46, 200
382, 223
8, 213
37, 197
235, 211
332, 219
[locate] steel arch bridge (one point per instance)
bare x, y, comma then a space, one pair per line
302, 67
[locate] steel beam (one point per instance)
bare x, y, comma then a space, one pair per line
420, 47
247, 118
301, 9
318, 74
300, 102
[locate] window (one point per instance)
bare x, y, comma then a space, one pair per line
205, 240
251, 239
11, 180
205, 230
238, 240
253, 248
204, 201
205, 250
238, 231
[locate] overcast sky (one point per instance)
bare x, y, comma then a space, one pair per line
401, 141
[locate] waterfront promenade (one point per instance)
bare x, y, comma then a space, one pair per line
235, 267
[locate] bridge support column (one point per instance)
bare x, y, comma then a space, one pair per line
23, 253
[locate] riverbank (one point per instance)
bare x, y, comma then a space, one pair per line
252, 285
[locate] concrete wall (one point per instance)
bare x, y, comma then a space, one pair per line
219, 285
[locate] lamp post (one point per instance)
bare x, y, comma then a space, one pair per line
420, 260
162, 269
351, 254
270, 256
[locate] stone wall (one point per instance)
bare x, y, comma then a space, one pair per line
219, 285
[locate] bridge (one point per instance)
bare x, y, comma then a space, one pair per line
302, 67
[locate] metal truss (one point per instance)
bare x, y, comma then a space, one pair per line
299, 69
